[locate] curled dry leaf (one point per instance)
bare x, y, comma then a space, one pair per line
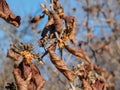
36, 19
98, 85
60, 65
86, 85
72, 36
80, 53
70, 23
21, 84
28, 77
7, 15
37, 78
48, 27
57, 22
53, 25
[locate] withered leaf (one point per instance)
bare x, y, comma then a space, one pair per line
7, 15
60, 65
28, 77
21, 84
72, 36
48, 27
86, 85
36, 77
98, 85
57, 22
36, 19
70, 23
80, 53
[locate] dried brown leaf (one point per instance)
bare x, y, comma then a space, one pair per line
60, 65
72, 36
48, 27
80, 53
37, 78
28, 77
21, 84
7, 15
86, 85
98, 86
57, 22
70, 23
36, 19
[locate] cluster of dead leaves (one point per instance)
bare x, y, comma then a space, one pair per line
27, 75
55, 27
7, 15
55, 33
92, 77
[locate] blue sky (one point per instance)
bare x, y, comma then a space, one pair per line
24, 7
